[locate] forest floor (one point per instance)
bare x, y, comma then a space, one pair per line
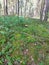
23, 41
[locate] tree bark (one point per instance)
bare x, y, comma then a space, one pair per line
42, 8
5, 7
18, 7
25, 8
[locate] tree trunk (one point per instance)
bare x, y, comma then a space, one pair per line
18, 7
25, 8
5, 7
42, 9
21, 11
46, 10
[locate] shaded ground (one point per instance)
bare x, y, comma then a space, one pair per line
23, 41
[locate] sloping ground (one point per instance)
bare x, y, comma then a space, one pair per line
23, 41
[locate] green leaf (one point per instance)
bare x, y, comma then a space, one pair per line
41, 63
9, 60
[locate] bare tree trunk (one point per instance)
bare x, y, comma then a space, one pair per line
42, 8
46, 10
5, 7
46, 15
22, 3
25, 8
18, 7
21, 11
30, 14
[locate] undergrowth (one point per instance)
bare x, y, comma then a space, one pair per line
23, 41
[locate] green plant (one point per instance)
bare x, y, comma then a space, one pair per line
22, 38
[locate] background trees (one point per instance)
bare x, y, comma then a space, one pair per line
29, 8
